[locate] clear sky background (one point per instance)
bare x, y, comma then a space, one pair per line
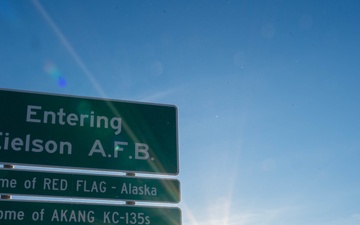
267, 91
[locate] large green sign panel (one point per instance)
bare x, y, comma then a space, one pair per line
36, 213
88, 186
101, 134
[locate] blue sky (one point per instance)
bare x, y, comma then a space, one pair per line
267, 93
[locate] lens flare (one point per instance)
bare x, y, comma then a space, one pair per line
51, 69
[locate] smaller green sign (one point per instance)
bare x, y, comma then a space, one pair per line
36, 213
88, 186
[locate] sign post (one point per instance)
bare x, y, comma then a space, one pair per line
33, 213
55, 131
55, 184
88, 133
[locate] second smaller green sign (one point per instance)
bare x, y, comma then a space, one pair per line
88, 186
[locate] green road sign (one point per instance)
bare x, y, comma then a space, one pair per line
88, 186
36, 213
101, 134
